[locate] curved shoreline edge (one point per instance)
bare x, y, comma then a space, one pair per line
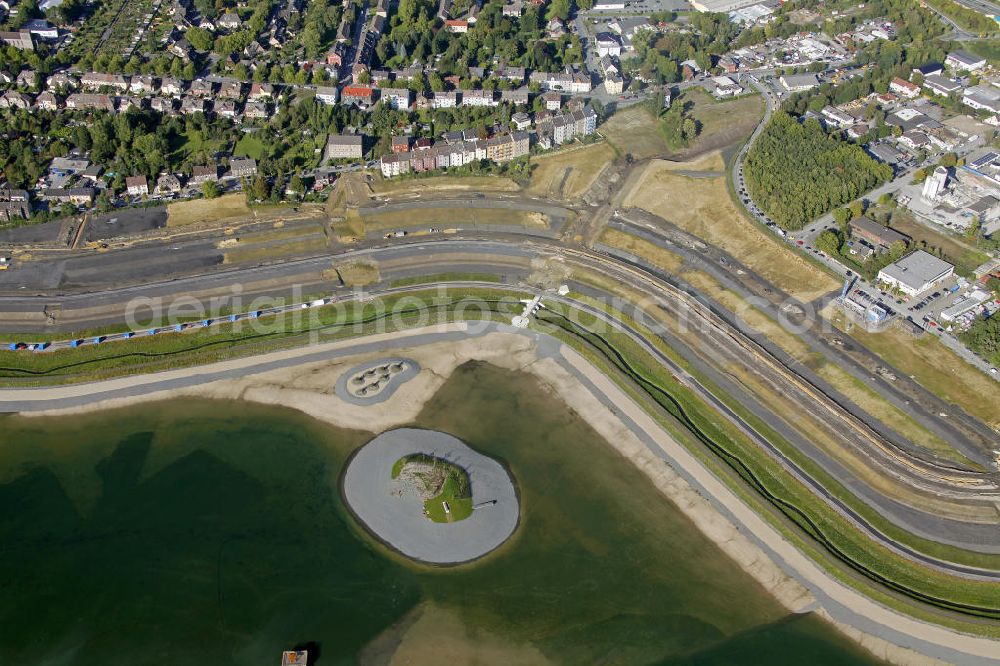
399, 523
792, 577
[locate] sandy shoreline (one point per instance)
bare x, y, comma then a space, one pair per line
759, 549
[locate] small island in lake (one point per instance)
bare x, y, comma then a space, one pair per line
443, 486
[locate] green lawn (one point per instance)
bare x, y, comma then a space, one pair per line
455, 490
457, 494
249, 146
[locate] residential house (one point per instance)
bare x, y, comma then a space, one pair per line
400, 144
162, 104
444, 100
513, 9
552, 100
19, 40
263, 91
614, 84
397, 98
242, 167
137, 186
15, 100
98, 80
345, 146
513, 74
478, 98
190, 105
204, 174
27, 78
129, 102
201, 88
520, 121
362, 96
457, 25
168, 184
519, 96
171, 86
143, 84
47, 101
61, 81
256, 111
77, 196
225, 108
327, 95
229, 21
904, 88
90, 101
231, 90
565, 81
608, 45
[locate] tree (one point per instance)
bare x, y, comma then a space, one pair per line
829, 242
200, 39
857, 209
842, 216
948, 160
210, 189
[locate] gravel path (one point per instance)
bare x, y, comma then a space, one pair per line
400, 521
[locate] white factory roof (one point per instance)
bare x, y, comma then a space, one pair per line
917, 269
721, 5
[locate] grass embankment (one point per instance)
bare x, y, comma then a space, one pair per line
570, 172
207, 210
660, 257
811, 425
821, 532
856, 391
431, 184
358, 273
198, 346
437, 278
702, 206
275, 250
933, 365
446, 218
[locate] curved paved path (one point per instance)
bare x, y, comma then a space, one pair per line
399, 521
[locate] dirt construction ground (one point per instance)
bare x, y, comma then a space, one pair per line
702, 206
569, 173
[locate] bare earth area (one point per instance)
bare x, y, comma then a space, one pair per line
701, 205
570, 172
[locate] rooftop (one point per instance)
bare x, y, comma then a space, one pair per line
917, 269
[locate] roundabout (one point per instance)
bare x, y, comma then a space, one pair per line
399, 487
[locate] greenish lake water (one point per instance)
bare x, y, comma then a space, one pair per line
213, 533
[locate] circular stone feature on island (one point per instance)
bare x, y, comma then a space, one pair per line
375, 381
430, 496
